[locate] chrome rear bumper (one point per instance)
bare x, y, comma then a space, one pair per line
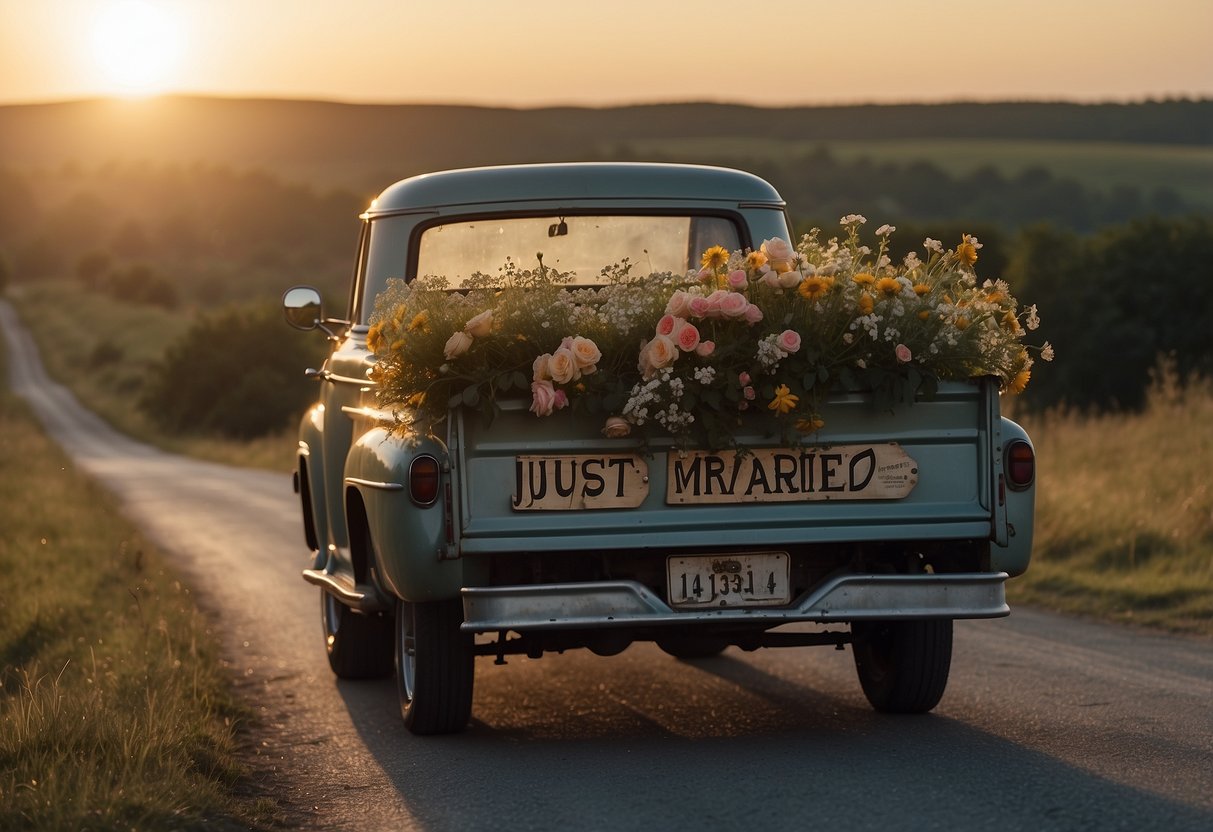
630, 604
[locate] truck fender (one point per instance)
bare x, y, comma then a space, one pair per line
309, 483
414, 560
1021, 512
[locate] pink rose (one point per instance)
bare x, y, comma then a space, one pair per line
770, 278
561, 399
737, 279
666, 325
687, 338
743, 378
714, 301
733, 305
752, 314
749, 393
788, 340
705, 348
903, 353
698, 307
679, 304
457, 345
543, 398
563, 367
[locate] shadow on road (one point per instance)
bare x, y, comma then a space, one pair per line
651, 743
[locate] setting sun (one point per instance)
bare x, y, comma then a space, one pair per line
136, 46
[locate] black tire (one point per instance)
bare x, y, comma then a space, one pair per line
435, 667
903, 665
689, 648
359, 646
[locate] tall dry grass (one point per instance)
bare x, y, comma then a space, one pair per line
114, 710
1124, 520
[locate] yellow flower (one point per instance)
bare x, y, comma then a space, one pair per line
419, 321
1011, 323
715, 257
962, 323
815, 287
784, 401
864, 279
888, 286
995, 297
921, 289
398, 316
866, 304
966, 252
924, 314
810, 425
1020, 381
755, 260
374, 337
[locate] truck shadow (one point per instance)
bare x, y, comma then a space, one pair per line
652, 743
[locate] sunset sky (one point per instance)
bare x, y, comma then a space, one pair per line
537, 52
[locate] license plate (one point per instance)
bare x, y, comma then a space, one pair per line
752, 580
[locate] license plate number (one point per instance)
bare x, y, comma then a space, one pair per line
752, 580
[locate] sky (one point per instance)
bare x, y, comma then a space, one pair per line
528, 53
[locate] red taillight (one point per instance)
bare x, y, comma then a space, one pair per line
425, 475
1020, 464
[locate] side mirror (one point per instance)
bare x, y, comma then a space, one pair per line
302, 307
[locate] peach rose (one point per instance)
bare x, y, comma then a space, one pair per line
563, 367
616, 427
586, 354
539, 369
481, 325
457, 345
705, 348
779, 254
661, 352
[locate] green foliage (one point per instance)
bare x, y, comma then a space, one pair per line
1114, 303
139, 284
237, 374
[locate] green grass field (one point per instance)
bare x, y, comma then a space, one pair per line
115, 712
1100, 166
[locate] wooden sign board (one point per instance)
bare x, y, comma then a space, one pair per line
579, 482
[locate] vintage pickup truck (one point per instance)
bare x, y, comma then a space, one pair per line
527, 534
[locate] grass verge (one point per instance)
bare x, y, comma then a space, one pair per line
1124, 515
114, 710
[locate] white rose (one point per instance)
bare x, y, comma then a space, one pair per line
778, 250
788, 280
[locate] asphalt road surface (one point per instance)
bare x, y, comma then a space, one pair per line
1048, 722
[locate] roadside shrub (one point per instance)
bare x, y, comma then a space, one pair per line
237, 374
139, 284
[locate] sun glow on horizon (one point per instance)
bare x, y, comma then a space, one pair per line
136, 46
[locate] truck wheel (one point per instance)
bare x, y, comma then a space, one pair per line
435, 666
359, 646
689, 648
903, 665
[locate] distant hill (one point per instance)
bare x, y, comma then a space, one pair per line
361, 146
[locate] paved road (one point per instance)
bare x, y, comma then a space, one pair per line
1048, 723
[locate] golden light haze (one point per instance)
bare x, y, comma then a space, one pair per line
540, 52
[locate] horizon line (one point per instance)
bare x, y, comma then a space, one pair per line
1163, 98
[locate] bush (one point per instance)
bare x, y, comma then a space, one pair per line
238, 374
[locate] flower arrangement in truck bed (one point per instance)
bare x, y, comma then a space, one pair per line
765, 331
